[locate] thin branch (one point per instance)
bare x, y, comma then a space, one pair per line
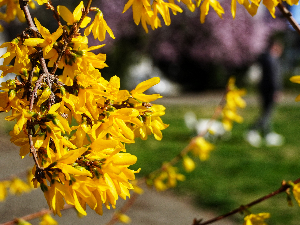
73, 32
34, 215
287, 14
55, 13
24, 7
32, 27
283, 188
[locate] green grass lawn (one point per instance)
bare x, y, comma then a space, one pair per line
235, 173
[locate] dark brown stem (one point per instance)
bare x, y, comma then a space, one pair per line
287, 14
24, 7
283, 188
55, 13
33, 152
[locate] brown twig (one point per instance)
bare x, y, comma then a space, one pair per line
287, 14
32, 27
24, 7
34, 215
284, 186
55, 13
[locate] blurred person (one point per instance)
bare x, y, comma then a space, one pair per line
270, 90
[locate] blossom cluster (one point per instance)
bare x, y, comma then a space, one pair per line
16, 186
74, 123
148, 14
234, 101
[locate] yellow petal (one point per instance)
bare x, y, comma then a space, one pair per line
44, 96
66, 169
233, 8
71, 156
78, 205
33, 41
66, 14
295, 79
85, 22
188, 163
77, 13
124, 159
145, 85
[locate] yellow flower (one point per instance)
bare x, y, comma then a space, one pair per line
296, 192
251, 7
200, 147
233, 6
256, 219
189, 3
21, 116
296, 79
167, 178
163, 8
137, 93
3, 191
4, 102
99, 28
139, 9
47, 220
204, 8
188, 164
123, 218
74, 17
18, 186
20, 53
23, 222
233, 101
271, 4
137, 189
12, 10
48, 39
41, 2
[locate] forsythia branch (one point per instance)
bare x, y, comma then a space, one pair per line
284, 187
287, 14
34, 215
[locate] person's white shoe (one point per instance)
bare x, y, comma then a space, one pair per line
274, 139
253, 138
